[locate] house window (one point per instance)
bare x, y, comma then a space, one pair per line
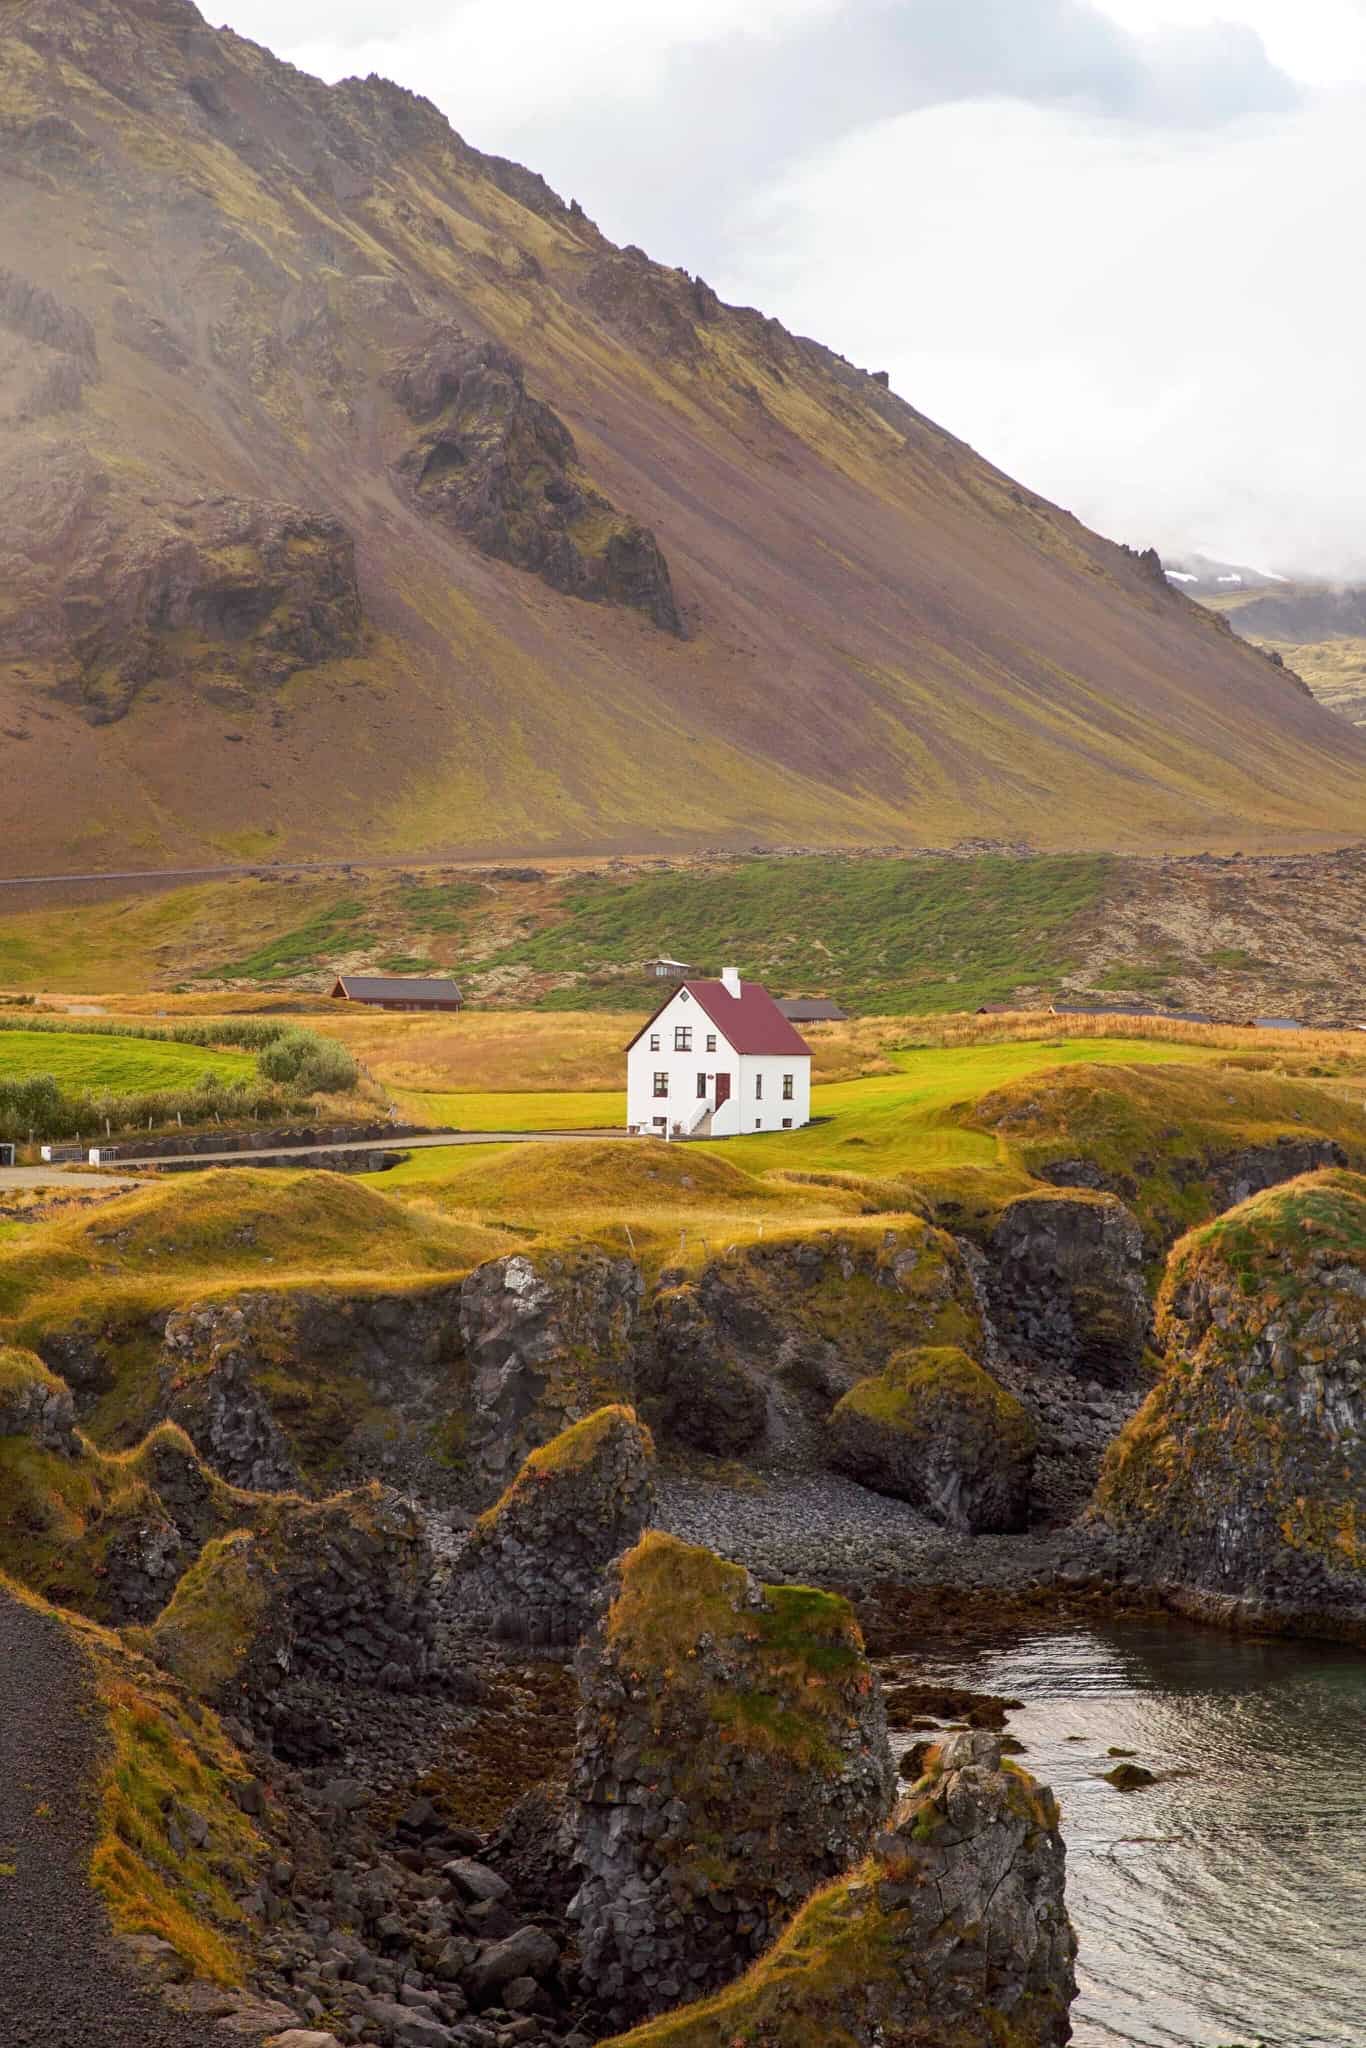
661, 1084
758, 1123
701, 1085
787, 1123
758, 1087
787, 1087
711, 1041
654, 1041
682, 1037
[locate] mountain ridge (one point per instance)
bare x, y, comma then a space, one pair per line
648, 571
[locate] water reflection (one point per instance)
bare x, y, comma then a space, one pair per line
1226, 1903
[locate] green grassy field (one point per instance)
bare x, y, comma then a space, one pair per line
887, 1123
119, 1066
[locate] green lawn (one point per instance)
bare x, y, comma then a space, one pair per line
120, 1066
893, 1123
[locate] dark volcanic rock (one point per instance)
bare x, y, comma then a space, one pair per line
731, 1755
694, 1384
549, 1338
953, 1933
935, 1429
532, 1571
1241, 1482
502, 468
336, 1589
1065, 1285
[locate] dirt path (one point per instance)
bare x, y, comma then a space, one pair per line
60, 1982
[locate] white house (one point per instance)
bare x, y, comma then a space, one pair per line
717, 1059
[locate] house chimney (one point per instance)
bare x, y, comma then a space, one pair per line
730, 982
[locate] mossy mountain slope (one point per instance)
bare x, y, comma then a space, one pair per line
339, 454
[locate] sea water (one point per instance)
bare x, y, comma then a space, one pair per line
1225, 1904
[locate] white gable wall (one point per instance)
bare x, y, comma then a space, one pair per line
756, 1099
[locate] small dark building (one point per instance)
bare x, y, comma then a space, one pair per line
812, 1010
399, 991
665, 969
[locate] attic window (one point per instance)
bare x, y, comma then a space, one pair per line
682, 995
654, 1041
711, 1041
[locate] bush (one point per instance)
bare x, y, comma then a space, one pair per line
302, 1060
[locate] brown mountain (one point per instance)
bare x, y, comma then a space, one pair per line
360, 495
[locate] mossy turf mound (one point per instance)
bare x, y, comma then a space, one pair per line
731, 1755
953, 1933
1177, 1143
934, 1428
1242, 1479
534, 1564
607, 1178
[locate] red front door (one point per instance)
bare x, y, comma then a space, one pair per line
722, 1089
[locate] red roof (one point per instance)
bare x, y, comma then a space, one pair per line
751, 1021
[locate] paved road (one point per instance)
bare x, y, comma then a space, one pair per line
58, 1176
61, 1981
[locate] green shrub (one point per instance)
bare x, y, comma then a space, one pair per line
315, 1066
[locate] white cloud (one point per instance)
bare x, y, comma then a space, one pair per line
1160, 331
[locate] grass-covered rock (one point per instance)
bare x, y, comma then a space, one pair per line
549, 1337
1178, 1143
952, 1933
533, 1568
1242, 1479
731, 1755
936, 1429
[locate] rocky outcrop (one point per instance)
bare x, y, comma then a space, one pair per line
227, 592
35, 1404
812, 1313
937, 1430
1241, 1482
548, 1338
731, 1755
532, 1571
310, 1386
1066, 1288
953, 1933
334, 1590
502, 468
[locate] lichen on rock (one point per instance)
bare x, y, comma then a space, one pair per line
731, 1755
1241, 1482
952, 1933
934, 1428
532, 1571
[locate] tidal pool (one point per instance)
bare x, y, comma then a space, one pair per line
1225, 1904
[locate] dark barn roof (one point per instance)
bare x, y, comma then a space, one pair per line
398, 988
812, 1010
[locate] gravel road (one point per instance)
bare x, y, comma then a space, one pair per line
60, 1982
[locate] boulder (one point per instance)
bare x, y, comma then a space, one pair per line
952, 1933
1066, 1288
731, 1754
937, 1430
1241, 1482
533, 1568
548, 1338
694, 1385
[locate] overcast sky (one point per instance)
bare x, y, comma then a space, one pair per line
1115, 244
